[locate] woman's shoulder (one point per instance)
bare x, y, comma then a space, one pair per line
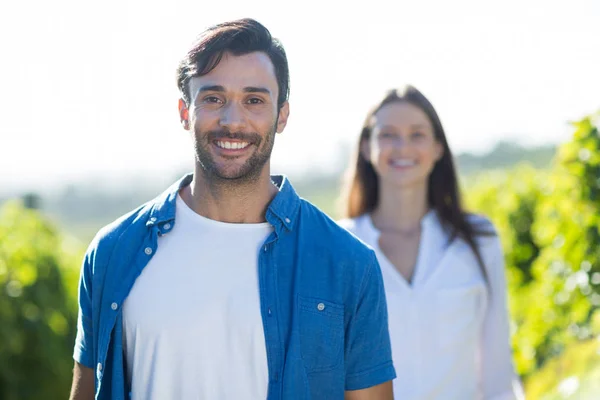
486, 236
355, 225
481, 224
347, 223
483, 228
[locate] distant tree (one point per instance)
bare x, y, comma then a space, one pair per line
32, 201
505, 155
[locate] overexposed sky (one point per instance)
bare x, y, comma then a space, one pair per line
88, 87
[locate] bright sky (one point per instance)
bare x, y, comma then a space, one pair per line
89, 87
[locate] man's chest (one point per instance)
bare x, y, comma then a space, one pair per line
184, 291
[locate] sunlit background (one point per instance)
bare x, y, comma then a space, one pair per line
89, 129
88, 88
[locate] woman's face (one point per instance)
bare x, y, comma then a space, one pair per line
402, 147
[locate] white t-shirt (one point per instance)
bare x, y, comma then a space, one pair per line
192, 324
449, 333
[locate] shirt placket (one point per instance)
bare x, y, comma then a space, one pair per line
148, 249
267, 289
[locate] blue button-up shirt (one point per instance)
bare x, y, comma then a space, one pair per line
321, 297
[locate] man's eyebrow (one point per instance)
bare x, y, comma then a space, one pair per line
254, 89
211, 88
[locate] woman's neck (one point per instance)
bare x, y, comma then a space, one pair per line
400, 209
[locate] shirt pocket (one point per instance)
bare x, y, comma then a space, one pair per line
459, 315
321, 325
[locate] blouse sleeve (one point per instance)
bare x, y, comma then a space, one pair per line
498, 378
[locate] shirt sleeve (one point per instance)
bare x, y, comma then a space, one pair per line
368, 352
499, 381
83, 352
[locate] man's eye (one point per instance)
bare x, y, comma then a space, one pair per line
255, 100
212, 99
386, 135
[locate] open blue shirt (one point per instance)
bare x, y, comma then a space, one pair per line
321, 297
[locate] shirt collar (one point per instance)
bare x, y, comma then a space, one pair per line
429, 221
163, 207
284, 208
281, 213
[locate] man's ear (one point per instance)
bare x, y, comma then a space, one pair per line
184, 114
284, 113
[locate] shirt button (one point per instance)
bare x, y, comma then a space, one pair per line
167, 226
320, 306
287, 220
153, 219
148, 250
114, 306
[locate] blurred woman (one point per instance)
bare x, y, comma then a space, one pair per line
443, 268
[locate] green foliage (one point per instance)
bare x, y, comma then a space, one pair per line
567, 220
38, 281
549, 223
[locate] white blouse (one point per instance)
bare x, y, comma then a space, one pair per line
449, 332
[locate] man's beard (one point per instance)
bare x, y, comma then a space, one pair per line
252, 168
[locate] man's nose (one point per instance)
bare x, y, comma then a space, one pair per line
232, 117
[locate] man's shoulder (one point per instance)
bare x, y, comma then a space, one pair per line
135, 221
109, 234
335, 234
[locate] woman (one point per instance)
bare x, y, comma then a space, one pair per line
443, 269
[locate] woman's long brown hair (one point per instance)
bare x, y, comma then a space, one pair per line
362, 186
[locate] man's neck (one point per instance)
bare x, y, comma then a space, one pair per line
230, 201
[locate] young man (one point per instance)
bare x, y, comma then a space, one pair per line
228, 285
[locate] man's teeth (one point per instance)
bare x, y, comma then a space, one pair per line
403, 163
232, 145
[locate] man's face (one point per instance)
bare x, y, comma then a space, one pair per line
234, 116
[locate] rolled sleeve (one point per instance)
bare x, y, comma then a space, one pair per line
368, 351
83, 351
373, 377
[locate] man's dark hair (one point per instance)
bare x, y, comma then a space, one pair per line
239, 37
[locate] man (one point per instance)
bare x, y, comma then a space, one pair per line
228, 285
